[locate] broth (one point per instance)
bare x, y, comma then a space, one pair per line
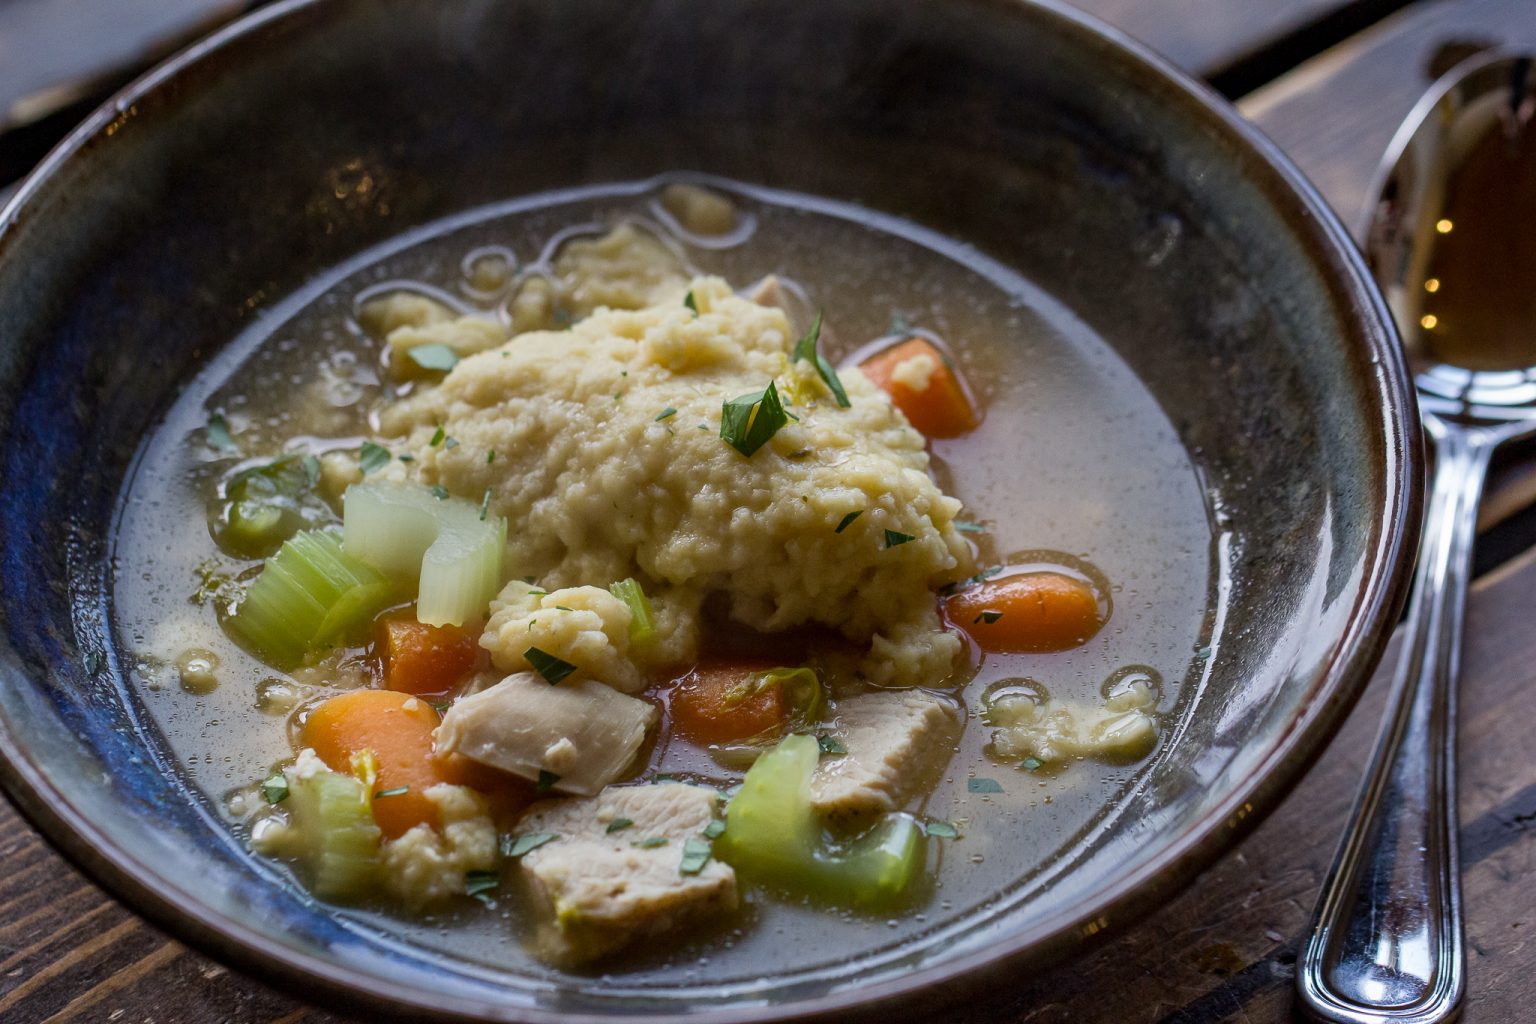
1073, 457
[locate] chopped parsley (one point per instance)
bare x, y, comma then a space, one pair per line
450, 444
311, 470
713, 829
372, 457
92, 661
619, 825
275, 788
941, 829
831, 745
490, 456
649, 843
546, 781
749, 421
983, 786
695, 856
480, 884
437, 437
847, 521
1031, 763
513, 847
806, 349
987, 617
485, 504
397, 791
407, 457
965, 527
553, 669
688, 300
219, 438
895, 540
665, 413
434, 357
439, 492
899, 323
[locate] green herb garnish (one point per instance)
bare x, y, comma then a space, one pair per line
619, 825
983, 786
450, 444
749, 421
275, 788
92, 662
481, 883
407, 457
439, 492
437, 438
650, 843
311, 467
695, 855
373, 457
545, 782
894, 539
965, 527
1031, 763
688, 301
847, 521
218, 435
831, 745
553, 669
713, 829
485, 504
941, 829
987, 617
665, 413
490, 456
434, 357
513, 847
397, 791
805, 348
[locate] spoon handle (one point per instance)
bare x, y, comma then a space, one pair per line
1386, 944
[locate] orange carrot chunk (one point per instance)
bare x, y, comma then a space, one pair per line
421, 659
925, 387
724, 703
1032, 611
397, 728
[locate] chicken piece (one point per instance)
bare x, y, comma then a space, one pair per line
604, 883
897, 740
582, 732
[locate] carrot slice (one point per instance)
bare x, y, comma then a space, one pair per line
1032, 611
421, 659
925, 387
721, 703
398, 728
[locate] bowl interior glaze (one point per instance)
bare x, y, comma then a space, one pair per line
226, 179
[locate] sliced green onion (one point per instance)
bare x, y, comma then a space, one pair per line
513, 847
310, 593
480, 883
806, 349
340, 842
553, 669
642, 624
749, 421
402, 529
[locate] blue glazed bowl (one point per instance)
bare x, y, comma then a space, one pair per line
205, 192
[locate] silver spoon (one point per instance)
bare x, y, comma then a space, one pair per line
1452, 243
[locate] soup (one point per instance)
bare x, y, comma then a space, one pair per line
627, 580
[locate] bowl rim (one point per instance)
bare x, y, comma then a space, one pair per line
1332, 693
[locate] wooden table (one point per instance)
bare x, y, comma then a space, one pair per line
1329, 80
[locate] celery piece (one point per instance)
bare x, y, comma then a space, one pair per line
338, 842
309, 593
772, 834
405, 529
642, 624
265, 505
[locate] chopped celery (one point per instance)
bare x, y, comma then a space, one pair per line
265, 505
338, 842
642, 624
309, 593
772, 834
407, 530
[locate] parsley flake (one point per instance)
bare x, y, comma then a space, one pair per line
749, 421
372, 457
311, 470
665, 413
434, 357
831, 746
275, 788
485, 504
218, 435
407, 457
553, 669
397, 791
619, 825
693, 306
713, 829
490, 456
941, 829
894, 539
1031, 763
983, 786
439, 492
546, 781
513, 847
92, 661
481, 883
965, 527
649, 843
805, 348
437, 437
450, 444
847, 520
987, 617
695, 855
